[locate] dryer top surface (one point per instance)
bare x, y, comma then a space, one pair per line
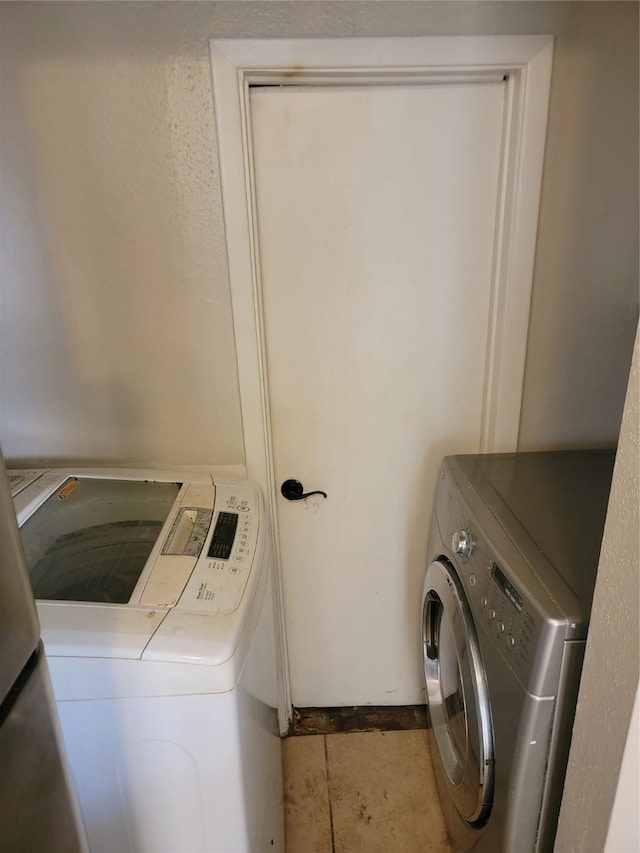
552, 506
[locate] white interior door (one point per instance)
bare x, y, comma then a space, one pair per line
376, 211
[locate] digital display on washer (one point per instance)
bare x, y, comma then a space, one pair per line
223, 535
508, 589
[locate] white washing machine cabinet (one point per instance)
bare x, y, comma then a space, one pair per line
155, 597
513, 555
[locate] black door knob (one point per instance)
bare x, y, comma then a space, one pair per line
293, 490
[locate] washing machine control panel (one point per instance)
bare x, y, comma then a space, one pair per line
222, 571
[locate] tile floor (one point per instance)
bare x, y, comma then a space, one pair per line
361, 792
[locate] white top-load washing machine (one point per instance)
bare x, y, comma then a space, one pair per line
155, 596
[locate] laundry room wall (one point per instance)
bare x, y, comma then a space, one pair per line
116, 330
116, 325
606, 726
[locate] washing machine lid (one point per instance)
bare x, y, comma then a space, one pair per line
19, 480
90, 539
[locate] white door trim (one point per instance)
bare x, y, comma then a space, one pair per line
525, 62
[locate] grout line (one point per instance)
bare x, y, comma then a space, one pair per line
326, 770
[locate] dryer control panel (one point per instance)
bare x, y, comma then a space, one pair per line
498, 604
509, 604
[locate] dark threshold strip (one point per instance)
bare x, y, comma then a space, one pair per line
363, 718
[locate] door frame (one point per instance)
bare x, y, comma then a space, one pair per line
525, 64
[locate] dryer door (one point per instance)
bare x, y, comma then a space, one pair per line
457, 693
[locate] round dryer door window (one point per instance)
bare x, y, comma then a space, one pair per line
457, 693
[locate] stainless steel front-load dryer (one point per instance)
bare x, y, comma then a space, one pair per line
513, 553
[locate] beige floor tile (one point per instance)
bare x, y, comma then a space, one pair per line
306, 800
383, 794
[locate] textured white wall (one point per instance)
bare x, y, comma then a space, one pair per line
117, 340
116, 328
610, 676
585, 296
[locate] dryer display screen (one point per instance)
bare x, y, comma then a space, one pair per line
507, 588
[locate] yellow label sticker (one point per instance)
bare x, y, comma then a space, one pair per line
66, 490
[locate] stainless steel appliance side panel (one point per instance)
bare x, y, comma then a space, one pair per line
561, 741
37, 809
19, 627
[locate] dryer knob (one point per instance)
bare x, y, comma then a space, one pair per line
462, 544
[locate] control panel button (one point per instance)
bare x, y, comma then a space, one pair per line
501, 626
484, 601
492, 614
511, 642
